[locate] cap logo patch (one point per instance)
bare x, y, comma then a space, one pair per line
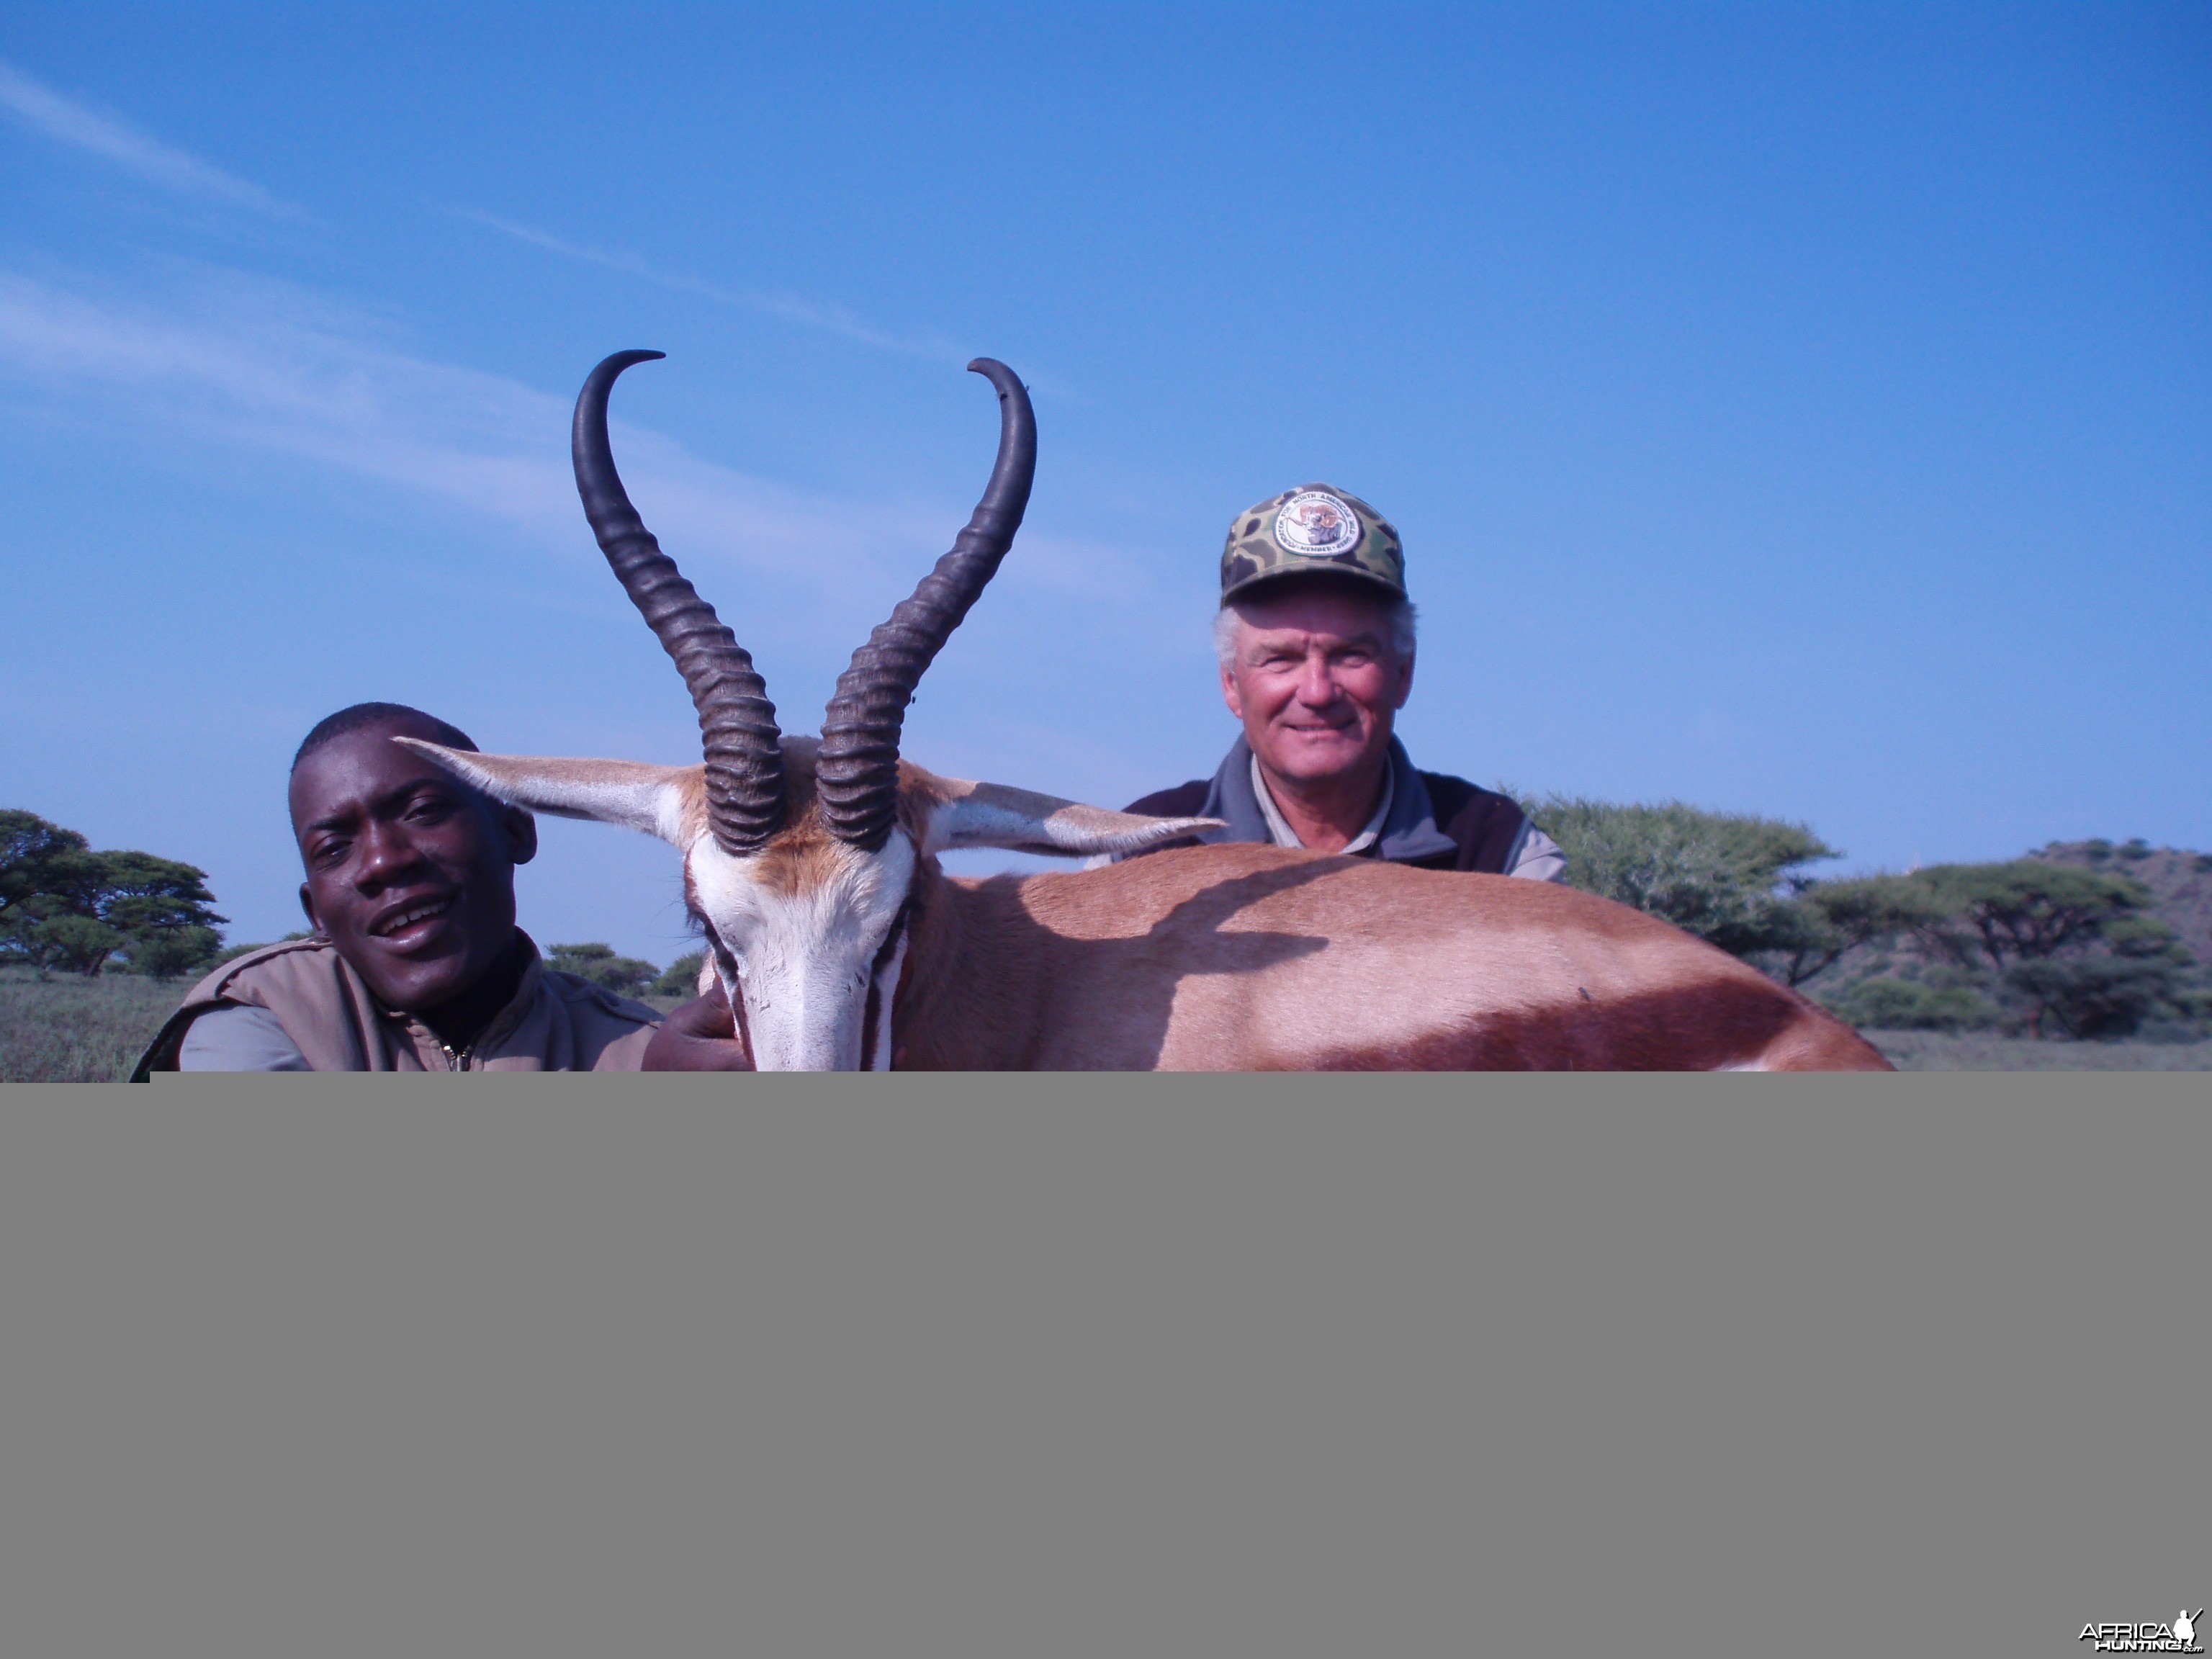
1315, 525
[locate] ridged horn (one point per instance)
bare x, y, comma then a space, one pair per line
857, 772
737, 722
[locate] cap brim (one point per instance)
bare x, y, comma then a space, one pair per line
1318, 570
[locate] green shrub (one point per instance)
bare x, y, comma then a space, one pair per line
598, 963
70, 943
681, 977
231, 953
2103, 997
1889, 1004
1726, 877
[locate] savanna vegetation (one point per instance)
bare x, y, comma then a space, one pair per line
2070, 943
2083, 956
629, 977
65, 907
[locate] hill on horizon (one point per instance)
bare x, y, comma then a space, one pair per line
2180, 882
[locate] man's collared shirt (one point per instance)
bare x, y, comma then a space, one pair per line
1279, 826
1428, 819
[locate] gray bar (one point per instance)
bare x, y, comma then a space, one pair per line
1071, 1366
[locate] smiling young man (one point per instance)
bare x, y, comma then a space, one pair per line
1316, 638
415, 963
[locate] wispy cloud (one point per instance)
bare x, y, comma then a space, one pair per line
221, 357
65, 120
830, 318
246, 361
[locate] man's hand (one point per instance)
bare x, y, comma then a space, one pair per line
700, 1036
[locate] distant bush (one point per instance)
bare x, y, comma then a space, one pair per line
1888, 1003
231, 953
2104, 996
1727, 877
681, 977
2047, 948
1735, 880
624, 976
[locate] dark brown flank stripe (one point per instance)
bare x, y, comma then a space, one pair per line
1734, 1024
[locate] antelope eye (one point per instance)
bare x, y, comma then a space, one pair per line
723, 955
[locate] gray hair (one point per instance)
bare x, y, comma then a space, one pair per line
1400, 616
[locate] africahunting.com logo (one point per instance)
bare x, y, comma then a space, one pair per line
2179, 1637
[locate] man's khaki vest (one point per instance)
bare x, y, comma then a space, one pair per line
555, 1021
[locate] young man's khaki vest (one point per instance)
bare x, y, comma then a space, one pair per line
555, 1021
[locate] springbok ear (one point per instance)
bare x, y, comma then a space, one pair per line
667, 801
991, 815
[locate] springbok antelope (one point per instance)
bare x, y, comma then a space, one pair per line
811, 866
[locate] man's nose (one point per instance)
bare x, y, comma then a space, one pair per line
386, 853
1317, 686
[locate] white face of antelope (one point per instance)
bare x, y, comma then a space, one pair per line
803, 929
801, 932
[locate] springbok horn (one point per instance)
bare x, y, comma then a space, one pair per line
737, 722
857, 771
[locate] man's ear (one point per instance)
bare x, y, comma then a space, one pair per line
1230, 695
1405, 682
307, 904
521, 833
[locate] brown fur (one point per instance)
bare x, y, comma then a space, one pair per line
1253, 959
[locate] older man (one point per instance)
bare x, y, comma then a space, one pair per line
1316, 637
416, 963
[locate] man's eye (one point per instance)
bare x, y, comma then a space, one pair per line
330, 852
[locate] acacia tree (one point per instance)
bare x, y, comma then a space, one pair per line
1833, 918
2067, 948
2026, 910
1730, 877
63, 905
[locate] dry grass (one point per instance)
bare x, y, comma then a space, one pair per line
70, 1030
93, 1031
1936, 1051
80, 1031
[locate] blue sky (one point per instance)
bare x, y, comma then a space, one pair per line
1795, 410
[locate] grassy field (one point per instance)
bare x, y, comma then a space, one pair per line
1974, 1051
79, 1031
92, 1030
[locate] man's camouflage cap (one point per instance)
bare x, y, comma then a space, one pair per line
1313, 530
